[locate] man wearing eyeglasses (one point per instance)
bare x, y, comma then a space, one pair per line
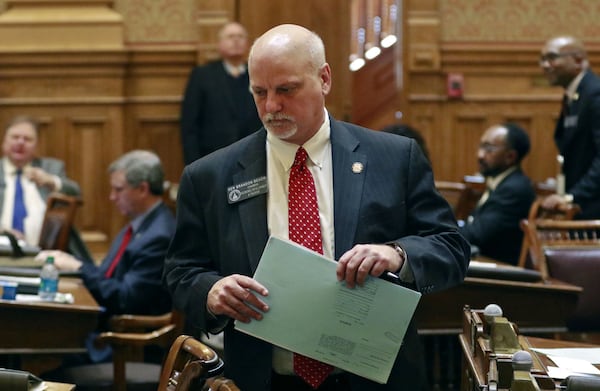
577, 133
494, 224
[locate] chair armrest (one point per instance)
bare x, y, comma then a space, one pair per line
162, 336
123, 323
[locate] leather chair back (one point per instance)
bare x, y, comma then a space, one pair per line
578, 265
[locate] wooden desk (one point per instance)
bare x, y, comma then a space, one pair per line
537, 307
475, 378
40, 327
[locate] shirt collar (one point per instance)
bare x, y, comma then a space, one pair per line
315, 147
493, 182
571, 90
11, 169
136, 223
234, 70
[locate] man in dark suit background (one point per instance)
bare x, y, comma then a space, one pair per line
39, 177
217, 108
129, 278
377, 205
494, 224
577, 133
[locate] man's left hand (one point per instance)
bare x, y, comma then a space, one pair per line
363, 260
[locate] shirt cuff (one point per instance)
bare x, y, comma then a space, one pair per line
568, 198
57, 182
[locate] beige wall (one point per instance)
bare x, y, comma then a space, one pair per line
521, 21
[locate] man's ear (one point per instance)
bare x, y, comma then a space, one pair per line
511, 157
144, 187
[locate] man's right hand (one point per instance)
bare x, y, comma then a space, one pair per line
554, 202
62, 260
236, 296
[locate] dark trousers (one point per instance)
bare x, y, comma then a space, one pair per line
295, 383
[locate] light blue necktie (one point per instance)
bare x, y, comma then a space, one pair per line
19, 211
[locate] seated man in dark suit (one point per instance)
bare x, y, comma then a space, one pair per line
494, 224
26, 181
129, 278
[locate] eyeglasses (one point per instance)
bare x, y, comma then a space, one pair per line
550, 57
488, 148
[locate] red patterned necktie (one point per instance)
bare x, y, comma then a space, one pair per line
117, 258
305, 229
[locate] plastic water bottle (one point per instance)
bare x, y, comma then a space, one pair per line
48, 280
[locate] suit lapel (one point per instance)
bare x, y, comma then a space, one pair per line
349, 170
574, 110
253, 211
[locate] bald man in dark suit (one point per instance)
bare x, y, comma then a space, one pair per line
577, 133
377, 205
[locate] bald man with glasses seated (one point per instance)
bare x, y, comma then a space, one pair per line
494, 224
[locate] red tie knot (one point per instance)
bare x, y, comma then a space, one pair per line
301, 156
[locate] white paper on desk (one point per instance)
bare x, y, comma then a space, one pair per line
591, 355
359, 330
570, 366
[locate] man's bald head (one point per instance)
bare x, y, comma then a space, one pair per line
290, 40
567, 43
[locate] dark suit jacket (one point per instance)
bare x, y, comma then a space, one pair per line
579, 143
494, 226
393, 198
211, 117
136, 286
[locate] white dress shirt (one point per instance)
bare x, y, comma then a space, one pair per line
34, 204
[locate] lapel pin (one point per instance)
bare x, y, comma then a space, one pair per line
575, 96
357, 167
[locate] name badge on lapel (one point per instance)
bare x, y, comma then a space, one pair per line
570, 121
243, 191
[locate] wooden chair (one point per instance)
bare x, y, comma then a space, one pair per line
569, 250
578, 265
462, 196
192, 365
128, 337
537, 212
541, 233
58, 221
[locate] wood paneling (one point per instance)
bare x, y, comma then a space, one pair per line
330, 19
95, 103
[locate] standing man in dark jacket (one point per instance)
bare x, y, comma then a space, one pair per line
374, 204
577, 134
217, 107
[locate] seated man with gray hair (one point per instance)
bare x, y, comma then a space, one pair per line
128, 280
